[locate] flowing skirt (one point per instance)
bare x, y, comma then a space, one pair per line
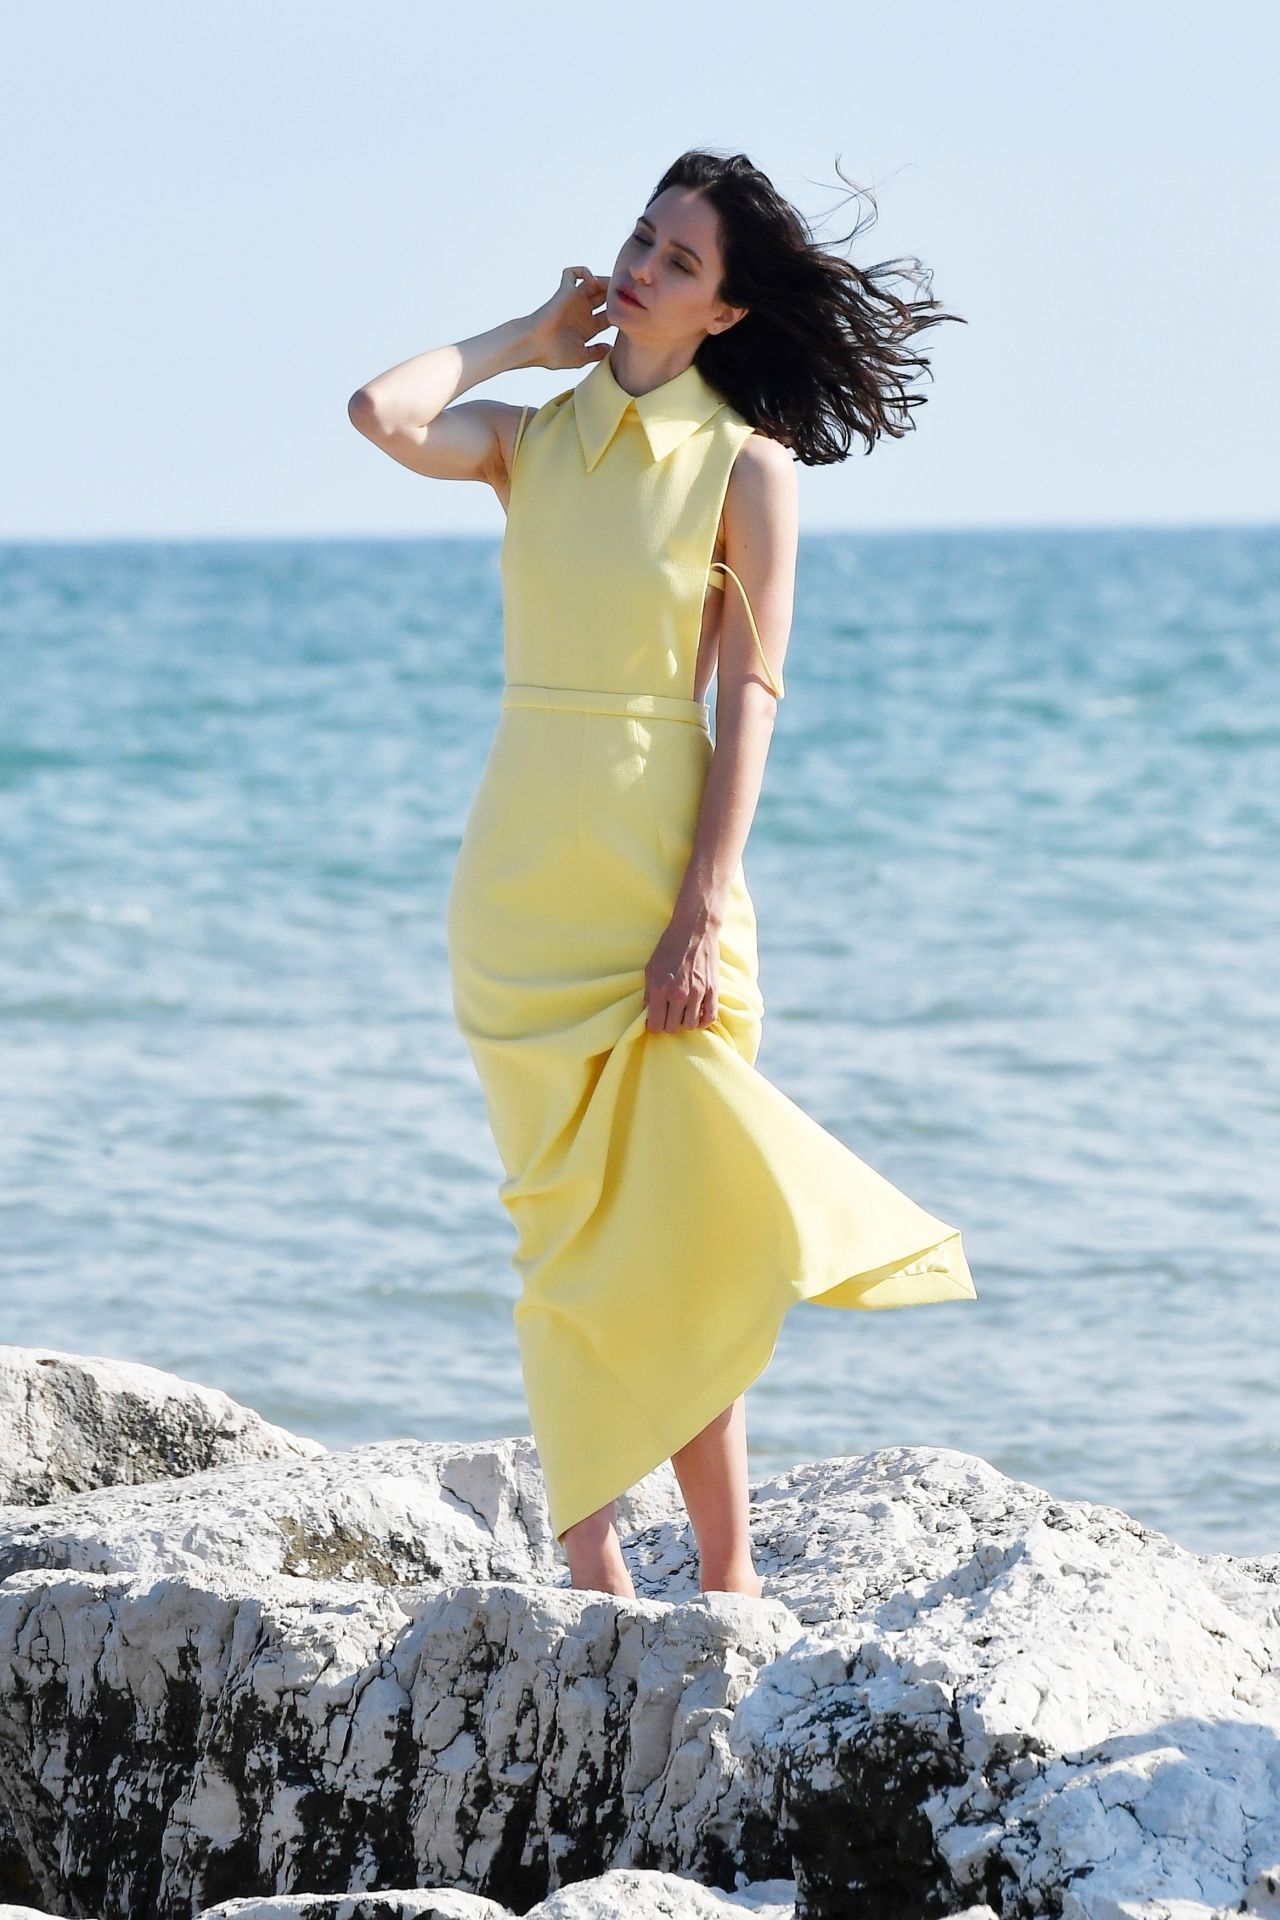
670, 1202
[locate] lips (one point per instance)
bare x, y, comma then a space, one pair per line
625, 293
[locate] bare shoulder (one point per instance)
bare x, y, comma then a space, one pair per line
763, 487
763, 456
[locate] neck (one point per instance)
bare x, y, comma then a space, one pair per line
638, 369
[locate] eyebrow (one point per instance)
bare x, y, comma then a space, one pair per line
675, 243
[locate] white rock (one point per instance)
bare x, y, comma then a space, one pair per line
624, 1894
367, 1667
71, 1421
1042, 1694
432, 1903
393, 1511
169, 1742
10, 1912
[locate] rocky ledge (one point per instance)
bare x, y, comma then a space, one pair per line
357, 1684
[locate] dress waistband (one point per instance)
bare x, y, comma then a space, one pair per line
650, 706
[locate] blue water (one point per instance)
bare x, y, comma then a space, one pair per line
1015, 865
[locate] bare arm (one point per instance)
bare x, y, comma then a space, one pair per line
407, 412
761, 523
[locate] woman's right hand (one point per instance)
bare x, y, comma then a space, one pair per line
561, 328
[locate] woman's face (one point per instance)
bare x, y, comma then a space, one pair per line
672, 264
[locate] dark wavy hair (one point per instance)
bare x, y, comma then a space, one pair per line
821, 352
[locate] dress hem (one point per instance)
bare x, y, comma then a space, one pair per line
950, 1281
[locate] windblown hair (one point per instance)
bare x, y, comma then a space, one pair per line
821, 352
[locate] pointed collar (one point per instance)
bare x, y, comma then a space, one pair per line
668, 414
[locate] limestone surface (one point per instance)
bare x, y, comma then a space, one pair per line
70, 1421
284, 1686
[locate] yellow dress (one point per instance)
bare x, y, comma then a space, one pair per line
670, 1202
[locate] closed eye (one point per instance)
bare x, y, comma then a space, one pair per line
645, 243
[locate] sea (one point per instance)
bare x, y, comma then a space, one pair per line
1016, 868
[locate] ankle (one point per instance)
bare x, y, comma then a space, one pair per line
731, 1576
602, 1573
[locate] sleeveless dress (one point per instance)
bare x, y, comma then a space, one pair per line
670, 1202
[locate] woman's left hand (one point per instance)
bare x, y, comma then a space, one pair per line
682, 978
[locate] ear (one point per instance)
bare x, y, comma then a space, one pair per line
728, 317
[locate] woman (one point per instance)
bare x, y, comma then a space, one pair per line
671, 1203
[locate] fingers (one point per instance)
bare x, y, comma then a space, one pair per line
671, 1014
665, 1014
681, 996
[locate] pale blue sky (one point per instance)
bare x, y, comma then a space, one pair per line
217, 222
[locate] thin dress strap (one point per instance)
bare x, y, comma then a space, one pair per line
515, 447
774, 683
